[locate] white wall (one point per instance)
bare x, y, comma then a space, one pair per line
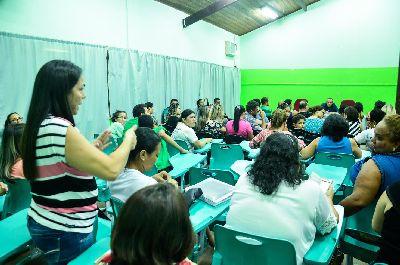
331, 34
143, 25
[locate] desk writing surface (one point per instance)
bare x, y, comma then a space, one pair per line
323, 247
252, 153
15, 233
203, 214
181, 163
241, 167
207, 147
337, 174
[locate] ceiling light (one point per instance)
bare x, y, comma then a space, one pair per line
269, 12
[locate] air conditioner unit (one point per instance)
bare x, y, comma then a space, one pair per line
230, 49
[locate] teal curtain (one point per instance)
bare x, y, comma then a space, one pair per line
134, 77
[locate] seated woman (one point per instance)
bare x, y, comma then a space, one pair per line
213, 126
381, 170
184, 130
386, 221
201, 119
239, 126
352, 117
278, 124
10, 156
366, 136
140, 159
118, 120
162, 162
333, 139
314, 123
273, 200
173, 110
12, 118
153, 227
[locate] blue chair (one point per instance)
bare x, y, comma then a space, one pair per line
224, 155
359, 240
15, 236
173, 151
116, 205
104, 191
197, 175
237, 248
111, 148
337, 160
17, 198
102, 228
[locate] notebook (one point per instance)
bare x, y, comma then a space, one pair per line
323, 183
215, 192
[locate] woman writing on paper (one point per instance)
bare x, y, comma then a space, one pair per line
273, 200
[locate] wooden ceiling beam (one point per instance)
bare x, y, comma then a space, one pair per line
301, 3
205, 12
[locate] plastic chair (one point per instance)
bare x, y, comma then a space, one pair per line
337, 160
18, 196
359, 239
197, 175
111, 148
202, 135
116, 205
15, 236
237, 248
347, 103
173, 151
297, 102
224, 155
234, 139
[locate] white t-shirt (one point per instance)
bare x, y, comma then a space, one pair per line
365, 137
291, 214
129, 182
185, 133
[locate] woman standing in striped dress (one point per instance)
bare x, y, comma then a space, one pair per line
60, 163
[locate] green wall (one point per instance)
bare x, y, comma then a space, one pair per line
360, 84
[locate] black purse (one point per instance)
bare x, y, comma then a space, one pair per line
192, 195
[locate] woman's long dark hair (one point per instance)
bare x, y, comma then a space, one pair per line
278, 161
53, 83
239, 109
10, 148
153, 228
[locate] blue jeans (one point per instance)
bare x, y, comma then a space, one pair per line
59, 247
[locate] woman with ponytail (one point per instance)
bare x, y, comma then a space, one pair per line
239, 126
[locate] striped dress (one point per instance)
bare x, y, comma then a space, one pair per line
63, 198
